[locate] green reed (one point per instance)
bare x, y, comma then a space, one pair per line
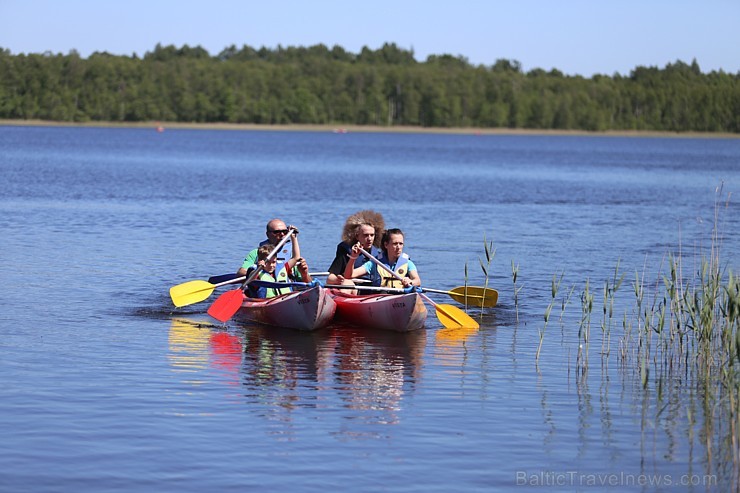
608, 309
565, 302
514, 275
584, 327
554, 287
490, 254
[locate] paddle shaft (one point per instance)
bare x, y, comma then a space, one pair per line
444, 312
270, 284
232, 281
232, 277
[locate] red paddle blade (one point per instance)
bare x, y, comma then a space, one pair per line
226, 305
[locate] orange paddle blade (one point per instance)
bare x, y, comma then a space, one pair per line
226, 305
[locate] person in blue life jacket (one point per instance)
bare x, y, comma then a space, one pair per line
275, 231
392, 257
365, 227
276, 271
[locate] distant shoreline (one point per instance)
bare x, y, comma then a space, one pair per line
368, 129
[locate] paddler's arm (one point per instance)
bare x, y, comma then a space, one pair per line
297, 261
350, 272
294, 242
412, 276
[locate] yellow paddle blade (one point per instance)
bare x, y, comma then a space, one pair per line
475, 296
190, 292
454, 318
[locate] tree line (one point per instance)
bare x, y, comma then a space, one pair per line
387, 87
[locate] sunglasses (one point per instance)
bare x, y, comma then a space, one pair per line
279, 231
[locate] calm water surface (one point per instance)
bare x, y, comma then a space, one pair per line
106, 387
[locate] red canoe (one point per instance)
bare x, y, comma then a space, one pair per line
399, 312
303, 310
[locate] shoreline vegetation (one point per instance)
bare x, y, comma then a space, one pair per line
339, 128
317, 87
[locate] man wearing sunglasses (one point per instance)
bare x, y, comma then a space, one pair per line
275, 231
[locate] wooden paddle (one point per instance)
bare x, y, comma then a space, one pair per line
448, 315
191, 292
229, 303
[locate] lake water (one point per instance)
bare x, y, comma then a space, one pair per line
107, 387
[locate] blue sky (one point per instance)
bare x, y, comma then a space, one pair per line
575, 36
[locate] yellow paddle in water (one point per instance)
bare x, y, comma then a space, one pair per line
475, 296
191, 292
448, 315
471, 295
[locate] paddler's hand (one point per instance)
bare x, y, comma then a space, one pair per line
406, 281
295, 230
355, 251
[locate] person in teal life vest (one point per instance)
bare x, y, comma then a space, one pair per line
276, 271
275, 231
392, 257
365, 227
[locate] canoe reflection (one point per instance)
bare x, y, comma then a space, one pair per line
188, 344
282, 369
282, 358
374, 369
196, 345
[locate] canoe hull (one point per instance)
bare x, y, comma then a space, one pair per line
397, 312
311, 309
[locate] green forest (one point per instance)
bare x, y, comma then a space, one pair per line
386, 87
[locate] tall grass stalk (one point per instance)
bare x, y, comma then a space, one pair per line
514, 275
584, 327
555, 286
486, 268
606, 324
